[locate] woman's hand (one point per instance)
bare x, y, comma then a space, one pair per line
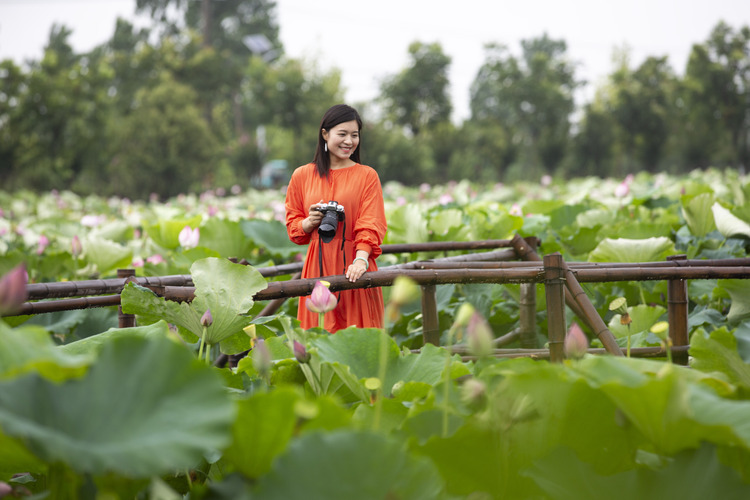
356, 269
313, 219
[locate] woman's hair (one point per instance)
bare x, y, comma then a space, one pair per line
339, 113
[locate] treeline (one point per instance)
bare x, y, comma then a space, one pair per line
204, 98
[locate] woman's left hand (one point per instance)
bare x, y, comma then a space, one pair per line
355, 270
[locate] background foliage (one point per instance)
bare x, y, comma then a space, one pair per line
192, 103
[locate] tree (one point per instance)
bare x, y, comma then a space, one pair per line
642, 105
164, 145
716, 98
417, 97
531, 96
58, 117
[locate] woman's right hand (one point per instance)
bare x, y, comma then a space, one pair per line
313, 218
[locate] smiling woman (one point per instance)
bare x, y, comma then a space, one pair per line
335, 204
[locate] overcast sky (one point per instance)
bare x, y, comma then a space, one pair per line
368, 39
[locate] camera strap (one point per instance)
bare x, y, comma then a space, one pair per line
343, 249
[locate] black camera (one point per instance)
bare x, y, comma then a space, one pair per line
332, 214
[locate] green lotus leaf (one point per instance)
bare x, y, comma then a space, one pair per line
739, 291
729, 224
697, 213
28, 349
563, 476
106, 255
375, 465
717, 352
226, 237
358, 351
407, 224
271, 236
265, 423
224, 288
92, 345
626, 250
682, 410
146, 407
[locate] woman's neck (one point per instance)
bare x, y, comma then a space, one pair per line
337, 163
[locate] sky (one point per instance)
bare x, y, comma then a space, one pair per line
368, 40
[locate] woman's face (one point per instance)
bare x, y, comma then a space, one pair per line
342, 139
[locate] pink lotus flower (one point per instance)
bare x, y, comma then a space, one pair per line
13, 289
546, 180
92, 220
137, 262
576, 343
43, 243
515, 209
445, 199
321, 299
155, 259
189, 237
75, 246
622, 190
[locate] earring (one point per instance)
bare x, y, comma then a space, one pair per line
325, 147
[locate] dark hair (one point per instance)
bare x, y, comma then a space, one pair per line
339, 113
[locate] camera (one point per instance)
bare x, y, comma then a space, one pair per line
332, 214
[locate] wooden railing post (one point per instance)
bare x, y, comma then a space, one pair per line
125, 320
527, 316
554, 288
677, 313
430, 321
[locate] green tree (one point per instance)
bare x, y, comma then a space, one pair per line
164, 145
289, 94
531, 96
417, 97
642, 106
57, 118
716, 99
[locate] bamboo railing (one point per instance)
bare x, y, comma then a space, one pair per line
499, 264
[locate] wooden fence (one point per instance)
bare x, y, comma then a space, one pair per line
503, 261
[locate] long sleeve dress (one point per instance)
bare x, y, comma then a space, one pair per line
358, 189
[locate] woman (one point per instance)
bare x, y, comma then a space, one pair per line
335, 174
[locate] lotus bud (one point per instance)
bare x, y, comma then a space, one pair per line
75, 246
576, 343
622, 190
43, 243
464, 314
479, 336
13, 289
473, 391
404, 290
321, 299
207, 319
261, 357
300, 353
5, 489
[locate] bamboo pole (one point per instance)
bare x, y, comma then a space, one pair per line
527, 253
636, 352
592, 316
125, 320
527, 316
554, 278
677, 313
534, 274
430, 322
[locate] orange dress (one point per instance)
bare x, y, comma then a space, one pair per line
358, 189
